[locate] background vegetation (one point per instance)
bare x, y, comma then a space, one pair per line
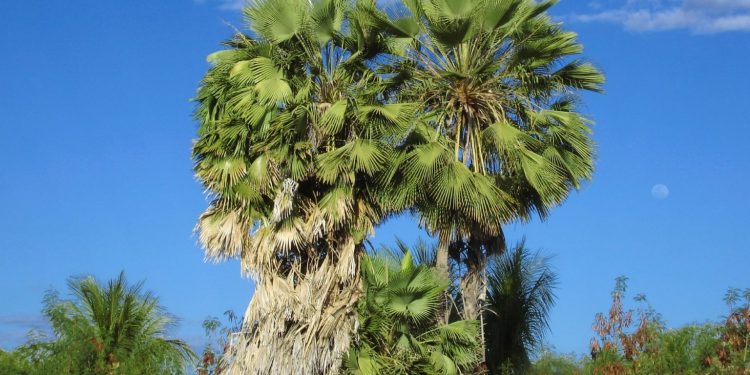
116, 328
104, 329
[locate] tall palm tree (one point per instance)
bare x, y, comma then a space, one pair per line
499, 137
520, 294
295, 132
399, 333
113, 329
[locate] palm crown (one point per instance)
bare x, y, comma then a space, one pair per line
498, 136
294, 131
498, 81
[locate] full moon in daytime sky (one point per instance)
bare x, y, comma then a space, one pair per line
660, 191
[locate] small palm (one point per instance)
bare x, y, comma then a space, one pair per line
399, 332
116, 328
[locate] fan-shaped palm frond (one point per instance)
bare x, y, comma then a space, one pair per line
399, 332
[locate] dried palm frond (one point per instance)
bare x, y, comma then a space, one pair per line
300, 324
222, 234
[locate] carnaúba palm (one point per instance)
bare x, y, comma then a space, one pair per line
499, 136
295, 129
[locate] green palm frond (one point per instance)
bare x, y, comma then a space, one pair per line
277, 20
494, 91
399, 331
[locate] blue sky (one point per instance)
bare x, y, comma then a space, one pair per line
96, 132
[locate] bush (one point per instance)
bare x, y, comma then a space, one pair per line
550, 363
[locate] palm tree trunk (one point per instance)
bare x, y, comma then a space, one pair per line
473, 287
300, 324
471, 292
441, 258
472, 283
443, 268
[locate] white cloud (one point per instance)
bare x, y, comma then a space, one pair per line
224, 4
232, 4
699, 16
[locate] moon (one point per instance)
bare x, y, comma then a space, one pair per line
660, 191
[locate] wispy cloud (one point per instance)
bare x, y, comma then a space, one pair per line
699, 16
232, 5
23, 320
14, 329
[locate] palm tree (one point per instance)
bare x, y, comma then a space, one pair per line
499, 137
399, 332
295, 133
521, 293
113, 329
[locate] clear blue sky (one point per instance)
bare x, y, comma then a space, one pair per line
96, 173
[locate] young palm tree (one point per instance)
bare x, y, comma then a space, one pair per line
499, 136
521, 292
113, 329
295, 131
399, 332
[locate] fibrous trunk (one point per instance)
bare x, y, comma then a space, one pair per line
443, 268
472, 292
473, 285
300, 323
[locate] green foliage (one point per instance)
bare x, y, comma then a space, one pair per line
550, 363
497, 137
399, 331
12, 363
637, 342
332, 115
296, 132
685, 350
691, 349
106, 329
218, 337
295, 101
497, 82
520, 294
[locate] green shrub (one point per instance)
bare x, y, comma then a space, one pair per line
550, 363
